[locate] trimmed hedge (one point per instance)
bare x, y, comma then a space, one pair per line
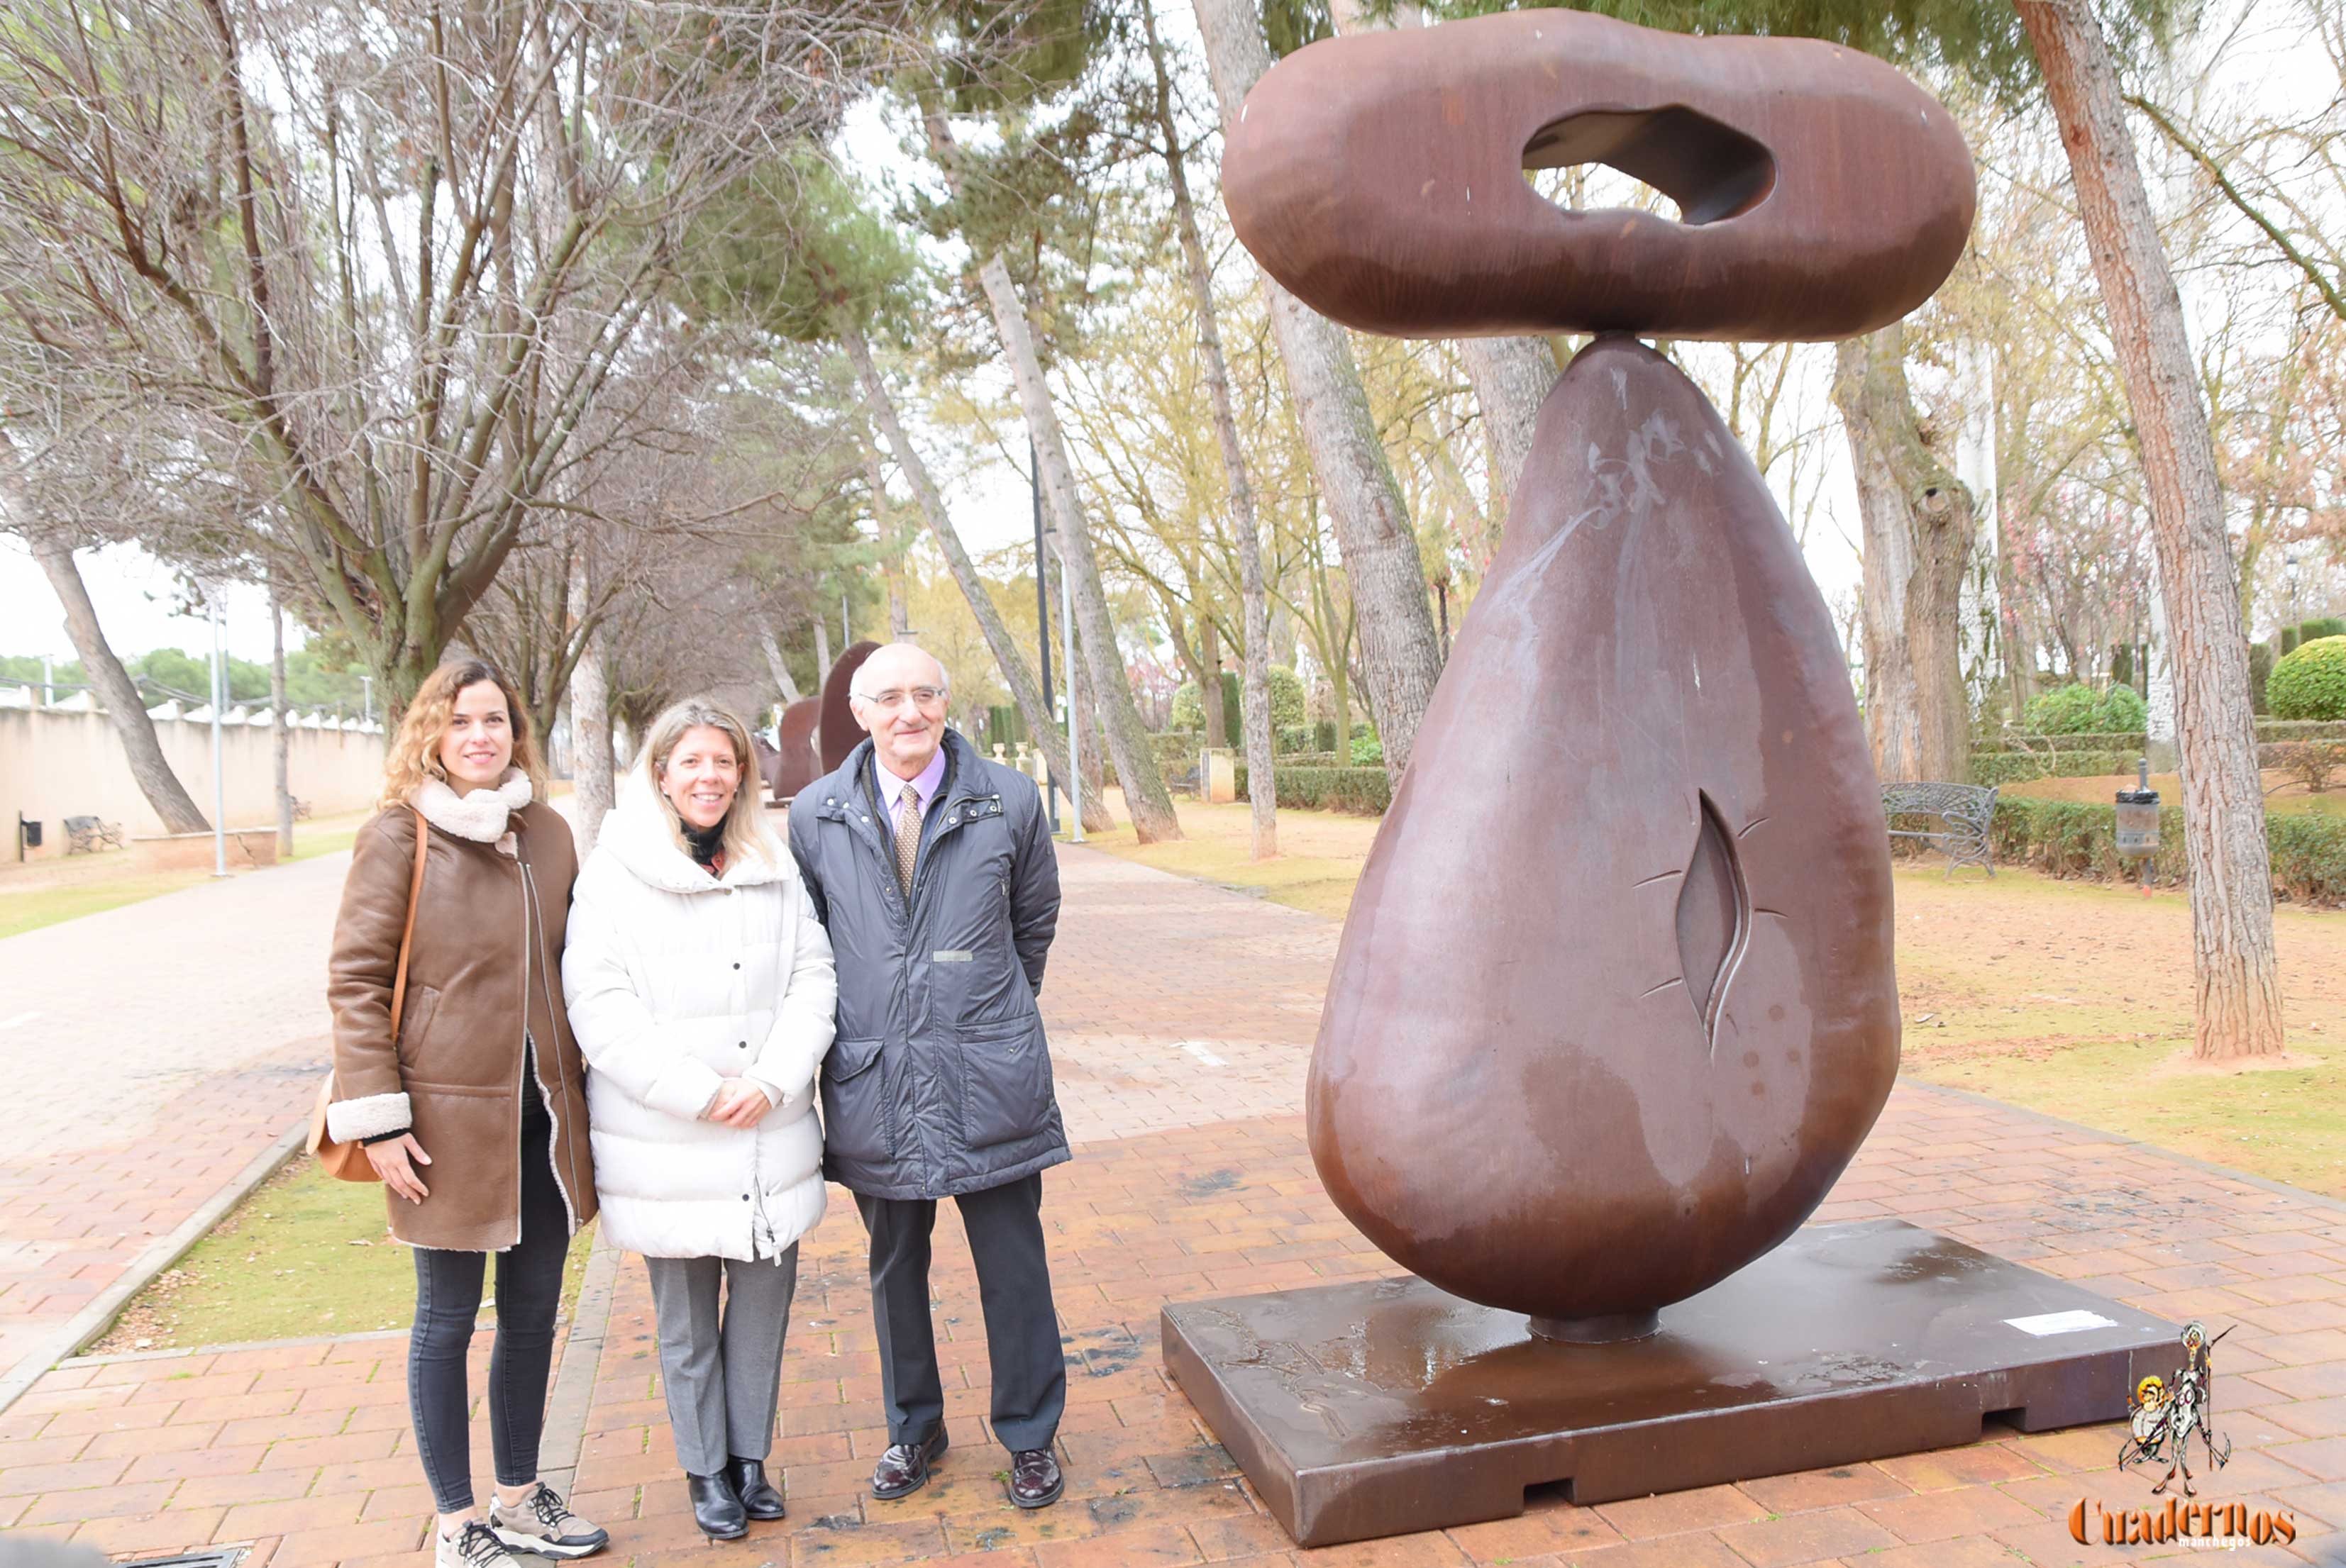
2018, 766
1365, 791
2073, 839
2078, 708
2267, 730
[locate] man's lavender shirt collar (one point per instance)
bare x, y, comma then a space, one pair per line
892, 789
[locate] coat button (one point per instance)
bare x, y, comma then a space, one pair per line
740, 1044
737, 966
745, 1197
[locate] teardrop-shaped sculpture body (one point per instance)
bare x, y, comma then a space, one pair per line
1615, 1004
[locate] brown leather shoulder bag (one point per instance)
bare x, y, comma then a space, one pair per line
349, 1162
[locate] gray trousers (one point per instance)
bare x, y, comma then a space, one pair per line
1014, 1291
723, 1376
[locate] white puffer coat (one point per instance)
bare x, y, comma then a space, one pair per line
676, 981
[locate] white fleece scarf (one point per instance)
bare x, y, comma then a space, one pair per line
479, 816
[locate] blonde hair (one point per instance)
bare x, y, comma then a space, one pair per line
743, 822
414, 754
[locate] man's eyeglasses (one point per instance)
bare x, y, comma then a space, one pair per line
924, 696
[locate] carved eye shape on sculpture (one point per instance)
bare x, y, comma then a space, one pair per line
1712, 170
1714, 918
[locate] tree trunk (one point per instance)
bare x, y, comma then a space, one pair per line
775, 666
2236, 973
1400, 654
891, 548
116, 690
1511, 378
1016, 672
1254, 705
1145, 794
280, 735
1209, 681
595, 782
1918, 522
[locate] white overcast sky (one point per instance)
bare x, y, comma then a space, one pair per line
136, 597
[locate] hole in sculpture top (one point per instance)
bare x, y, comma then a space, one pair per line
1708, 171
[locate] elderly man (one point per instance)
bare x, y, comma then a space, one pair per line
934, 871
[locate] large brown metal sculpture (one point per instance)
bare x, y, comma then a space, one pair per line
1640, 833
1615, 1004
801, 763
838, 732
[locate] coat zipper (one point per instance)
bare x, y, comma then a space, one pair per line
561, 1072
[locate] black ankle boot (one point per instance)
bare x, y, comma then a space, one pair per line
715, 1507
758, 1498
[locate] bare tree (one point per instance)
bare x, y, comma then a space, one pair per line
1400, 654
1145, 794
1262, 785
1017, 674
2236, 973
1918, 522
404, 272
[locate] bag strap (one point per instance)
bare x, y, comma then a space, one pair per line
407, 936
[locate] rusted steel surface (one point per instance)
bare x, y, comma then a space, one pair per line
1380, 177
839, 734
1615, 1004
801, 764
1377, 1407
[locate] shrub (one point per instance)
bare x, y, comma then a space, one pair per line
1324, 735
2311, 683
2288, 641
1368, 751
2075, 708
2078, 838
2280, 729
1289, 740
1287, 704
2309, 763
2323, 627
2260, 663
1365, 791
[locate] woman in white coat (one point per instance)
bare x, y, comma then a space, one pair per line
701, 987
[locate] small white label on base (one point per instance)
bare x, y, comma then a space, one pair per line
2075, 1321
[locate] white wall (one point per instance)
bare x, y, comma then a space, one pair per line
67, 762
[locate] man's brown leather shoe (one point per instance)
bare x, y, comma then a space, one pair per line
905, 1468
1034, 1478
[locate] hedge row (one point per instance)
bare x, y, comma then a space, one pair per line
2015, 766
2075, 839
2269, 731
1364, 790
2019, 766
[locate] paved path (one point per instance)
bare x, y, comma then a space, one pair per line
1182, 1016
147, 1054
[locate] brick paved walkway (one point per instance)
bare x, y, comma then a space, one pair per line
148, 1052
1182, 1017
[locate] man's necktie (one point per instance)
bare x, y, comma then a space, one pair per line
908, 837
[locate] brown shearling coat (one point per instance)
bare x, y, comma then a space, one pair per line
486, 962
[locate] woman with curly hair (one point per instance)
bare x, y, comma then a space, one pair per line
475, 1113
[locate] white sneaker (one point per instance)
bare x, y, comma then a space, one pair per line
473, 1546
543, 1525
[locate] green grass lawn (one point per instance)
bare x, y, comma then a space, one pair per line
2069, 998
302, 1255
45, 892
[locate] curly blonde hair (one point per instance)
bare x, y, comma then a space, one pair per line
414, 754
744, 818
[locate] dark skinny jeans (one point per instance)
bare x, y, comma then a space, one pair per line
447, 1300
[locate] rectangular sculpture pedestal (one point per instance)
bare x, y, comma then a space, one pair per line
1387, 1406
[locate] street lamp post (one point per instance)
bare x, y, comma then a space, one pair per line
220, 700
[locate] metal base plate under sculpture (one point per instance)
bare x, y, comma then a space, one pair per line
1386, 1406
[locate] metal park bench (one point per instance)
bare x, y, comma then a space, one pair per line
1961, 814
87, 835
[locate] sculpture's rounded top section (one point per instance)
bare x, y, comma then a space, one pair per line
1380, 178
